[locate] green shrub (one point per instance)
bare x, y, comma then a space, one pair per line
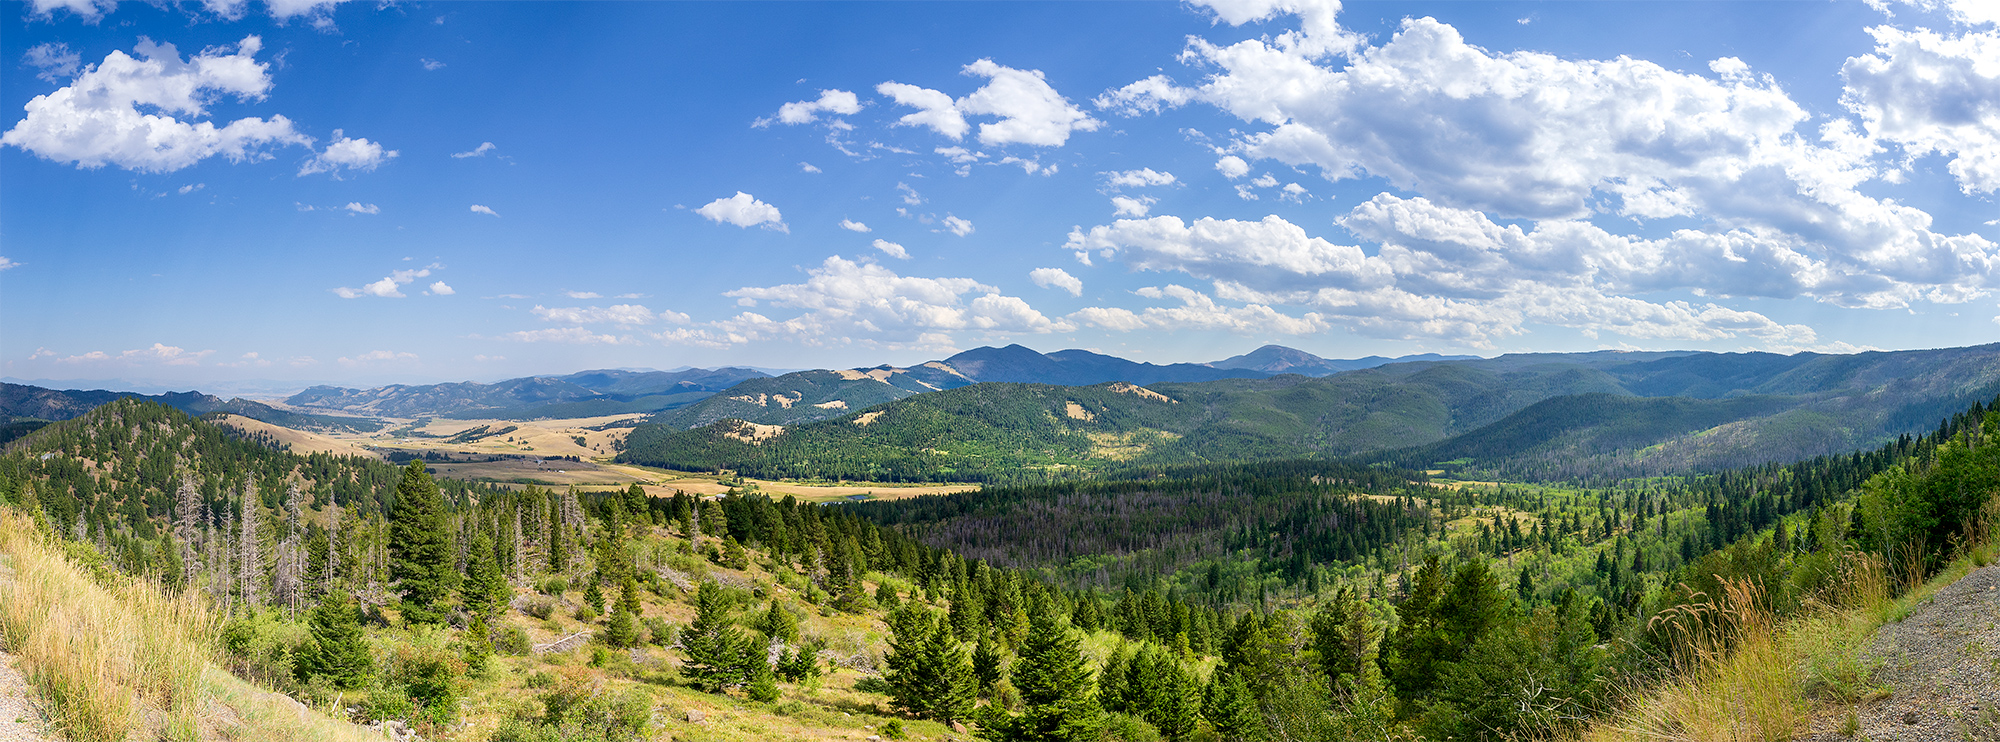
1127, 728
263, 647
387, 702
539, 608
659, 631
513, 641
431, 674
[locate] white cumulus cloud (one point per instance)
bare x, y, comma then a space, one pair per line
346, 153
618, 314
862, 300
361, 208
390, 286
957, 226
439, 288
743, 210
1138, 178
97, 119
1134, 207
840, 102
478, 209
1056, 278
53, 61
1029, 110
854, 226
892, 249
1931, 92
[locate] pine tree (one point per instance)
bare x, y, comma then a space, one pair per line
928, 672
714, 648
986, 661
623, 629
636, 506
1055, 686
1229, 706
778, 623
484, 590
1175, 707
763, 683
420, 553
336, 649
1344, 635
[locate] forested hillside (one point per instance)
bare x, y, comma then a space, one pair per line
582, 394
1537, 416
25, 408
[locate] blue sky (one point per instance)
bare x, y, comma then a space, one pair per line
358, 192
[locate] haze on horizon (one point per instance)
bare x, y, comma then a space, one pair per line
220, 190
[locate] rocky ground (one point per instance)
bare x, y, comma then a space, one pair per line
1942, 665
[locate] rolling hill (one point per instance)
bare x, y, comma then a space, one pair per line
24, 408
1602, 413
805, 396
582, 394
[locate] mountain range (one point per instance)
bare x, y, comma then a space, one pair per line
1581, 414
694, 397
25, 408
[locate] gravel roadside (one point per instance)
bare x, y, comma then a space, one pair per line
1942, 663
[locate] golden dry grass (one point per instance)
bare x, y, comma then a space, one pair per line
109, 656
112, 658
1736, 681
1748, 677
302, 442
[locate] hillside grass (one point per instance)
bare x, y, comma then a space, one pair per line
1759, 678
113, 658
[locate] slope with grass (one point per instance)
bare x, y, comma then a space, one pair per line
113, 658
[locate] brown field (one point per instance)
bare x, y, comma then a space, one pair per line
302, 442
551, 473
533, 440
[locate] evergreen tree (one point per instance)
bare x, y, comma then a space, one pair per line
637, 505
714, 648
628, 598
986, 661
778, 623
1171, 699
1055, 685
1228, 706
484, 589
1344, 635
928, 672
801, 663
763, 686
421, 559
336, 649
622, 630
885, 596
593, 596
